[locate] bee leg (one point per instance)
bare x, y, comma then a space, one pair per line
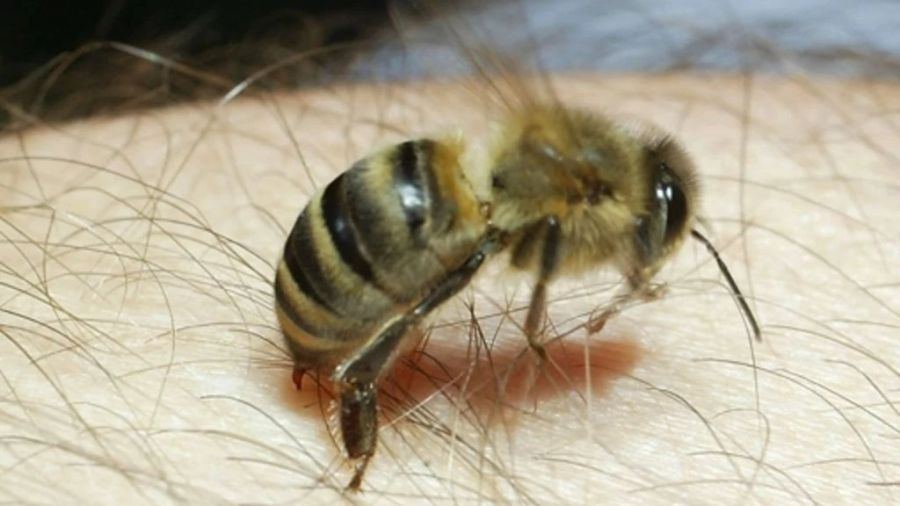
538, 306
356, 376
596, 323
639, 287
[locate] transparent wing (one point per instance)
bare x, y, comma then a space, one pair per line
492, 44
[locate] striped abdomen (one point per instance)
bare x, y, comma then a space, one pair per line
371, 244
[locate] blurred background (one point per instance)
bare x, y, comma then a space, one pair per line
62, 60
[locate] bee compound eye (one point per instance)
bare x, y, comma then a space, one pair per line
670, 196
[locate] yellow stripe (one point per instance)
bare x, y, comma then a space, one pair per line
301, 338
313, 315
452, 183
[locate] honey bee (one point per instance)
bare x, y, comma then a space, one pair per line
401, 231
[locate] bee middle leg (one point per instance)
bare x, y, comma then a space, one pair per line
549, 262
356, 376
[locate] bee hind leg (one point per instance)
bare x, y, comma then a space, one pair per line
356, 377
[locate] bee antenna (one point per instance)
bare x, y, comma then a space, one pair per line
742, 302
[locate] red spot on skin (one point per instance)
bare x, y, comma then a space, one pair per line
514, 379
511, 378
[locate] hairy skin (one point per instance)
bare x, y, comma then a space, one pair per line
140, 360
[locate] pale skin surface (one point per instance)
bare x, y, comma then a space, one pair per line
140, 361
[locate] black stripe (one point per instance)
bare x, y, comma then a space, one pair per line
290, 311
340, 227
365, 212
441, 210
408, 185
303, 264
302, 356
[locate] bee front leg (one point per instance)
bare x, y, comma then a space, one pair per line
596, 323
639, 287
356, 376
549, 261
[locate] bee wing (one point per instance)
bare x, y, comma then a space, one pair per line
448, 42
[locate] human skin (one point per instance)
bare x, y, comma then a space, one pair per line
141, 362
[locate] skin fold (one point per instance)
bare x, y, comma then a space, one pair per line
141, 361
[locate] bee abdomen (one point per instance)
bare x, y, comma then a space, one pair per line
326, 289
374, 240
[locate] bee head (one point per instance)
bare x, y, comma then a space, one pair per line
671, 201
